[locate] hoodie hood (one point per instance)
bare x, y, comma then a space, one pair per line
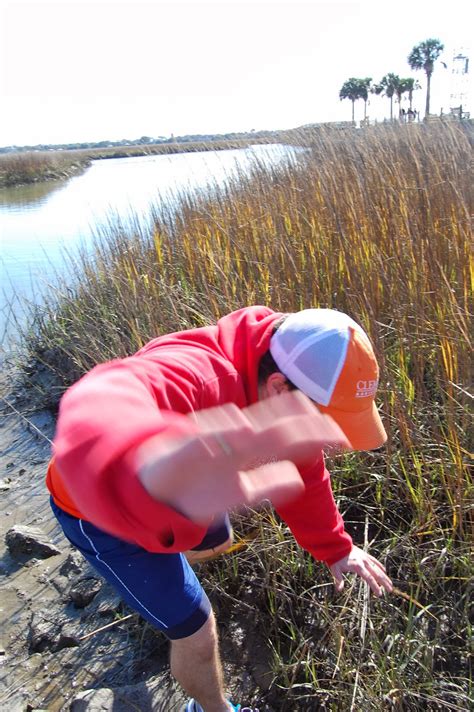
244, 337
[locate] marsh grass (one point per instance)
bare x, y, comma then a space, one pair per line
22, 167
35, 166
375, 223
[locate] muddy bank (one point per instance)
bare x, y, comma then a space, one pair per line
52, 654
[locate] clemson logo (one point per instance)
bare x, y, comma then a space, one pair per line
366, 389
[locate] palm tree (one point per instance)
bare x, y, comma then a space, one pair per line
402, 86
423, 56
364, 92
388, 87
399, 90
350, 90
411, 86
355, 89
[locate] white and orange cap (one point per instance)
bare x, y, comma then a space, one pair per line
329, 357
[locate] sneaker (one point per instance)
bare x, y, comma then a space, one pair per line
194, 706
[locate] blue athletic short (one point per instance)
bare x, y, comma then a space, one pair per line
163, 588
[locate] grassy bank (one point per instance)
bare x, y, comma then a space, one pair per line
375, 223
23, 168
35, 166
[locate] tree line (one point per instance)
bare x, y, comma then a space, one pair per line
422, 57
144, 141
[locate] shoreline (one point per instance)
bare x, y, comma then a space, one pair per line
17, 169
46, 175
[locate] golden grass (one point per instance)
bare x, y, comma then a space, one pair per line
33, 166
375, 223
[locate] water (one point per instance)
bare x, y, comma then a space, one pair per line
39, 222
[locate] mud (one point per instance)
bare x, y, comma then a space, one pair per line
52, 654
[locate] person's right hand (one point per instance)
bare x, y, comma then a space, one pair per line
214, 470
360, 562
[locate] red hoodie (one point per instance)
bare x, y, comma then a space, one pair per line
113, 409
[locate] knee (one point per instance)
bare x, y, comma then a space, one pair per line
202, 644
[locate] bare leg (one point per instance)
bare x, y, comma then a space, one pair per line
196, 665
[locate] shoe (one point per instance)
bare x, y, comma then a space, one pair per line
194, 706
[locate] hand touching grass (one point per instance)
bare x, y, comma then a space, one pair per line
364, 565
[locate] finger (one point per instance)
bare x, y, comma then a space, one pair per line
378, 571
338, 578
223, 417
375, 561
380, 576
279, 482
365, 574
285, 405
289, 426
288, 406
298, 438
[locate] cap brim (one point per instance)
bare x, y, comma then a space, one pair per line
364, 429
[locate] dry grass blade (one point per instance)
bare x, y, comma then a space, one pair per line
105, 627
412, 600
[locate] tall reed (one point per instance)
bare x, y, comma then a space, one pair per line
375, 223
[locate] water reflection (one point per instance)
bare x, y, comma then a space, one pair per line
29, 196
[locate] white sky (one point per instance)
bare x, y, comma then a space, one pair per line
90, 70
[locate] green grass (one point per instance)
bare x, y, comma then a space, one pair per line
375, 223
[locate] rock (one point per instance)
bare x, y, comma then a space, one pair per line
61, 584
108, 603
67, 640
44, 634
74, 564
53, 635
17, 702
154, 694
84, 591
32, 562
93, 701
31, 541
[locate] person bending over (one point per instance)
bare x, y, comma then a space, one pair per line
151, 451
